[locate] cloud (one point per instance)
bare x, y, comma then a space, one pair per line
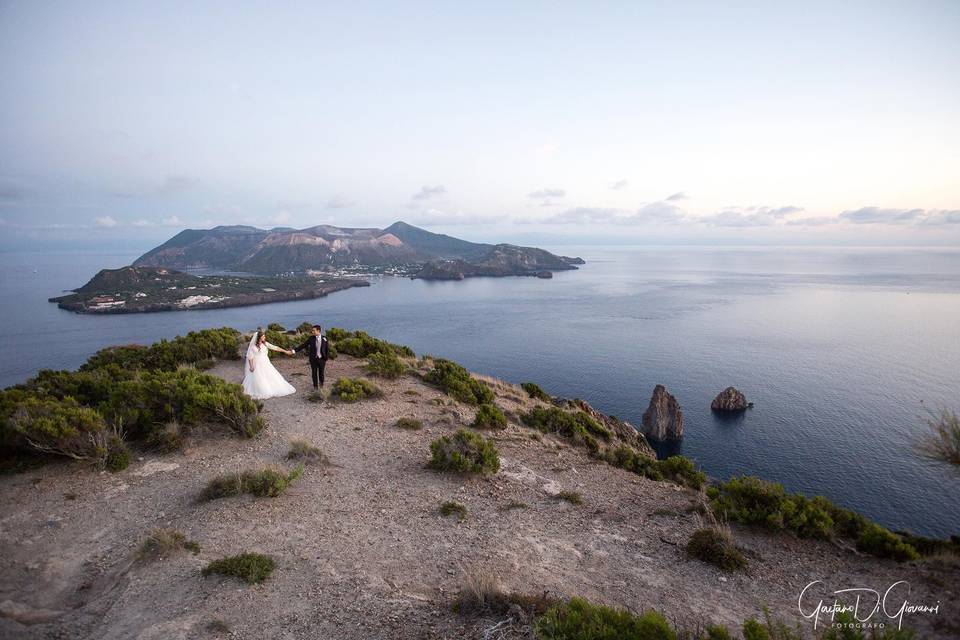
429, 192
648, 213
547, 193
878, 215
337, 202
106, 222
817, 221
584, 215
679, 195
620, 184
656, 213
172, 221
750, 216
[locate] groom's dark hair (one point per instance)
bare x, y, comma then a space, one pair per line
318, 327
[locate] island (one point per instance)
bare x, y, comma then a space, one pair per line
147, 289
400, 249
257, 266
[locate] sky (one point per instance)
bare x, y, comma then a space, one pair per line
560, 122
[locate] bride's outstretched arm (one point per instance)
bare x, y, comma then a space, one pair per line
275, 348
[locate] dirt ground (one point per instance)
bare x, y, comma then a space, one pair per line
362, 551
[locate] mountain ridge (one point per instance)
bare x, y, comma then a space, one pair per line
327, 247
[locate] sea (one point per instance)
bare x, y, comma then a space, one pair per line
843, 351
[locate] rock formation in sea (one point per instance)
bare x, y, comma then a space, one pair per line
663, 419
729, 400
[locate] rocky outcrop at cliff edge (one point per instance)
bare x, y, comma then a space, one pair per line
623, 431
663, 419
730, 399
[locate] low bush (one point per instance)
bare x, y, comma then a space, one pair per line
573, 425
534, 391
766, 504
355, 389
715, 546
456, 382
306, 452
410, 424
489, 416
883, 543
465, 452
573, 497
164, 542
167, 355
481, 594
276, 326
361, 345
942, 439
264, 482
385, 365
769, 629
453, 508
252, 568
62, 427
578, 619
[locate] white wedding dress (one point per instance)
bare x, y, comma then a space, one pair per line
264, 381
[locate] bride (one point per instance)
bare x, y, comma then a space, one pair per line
261, 379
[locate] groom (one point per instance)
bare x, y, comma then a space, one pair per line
318, 349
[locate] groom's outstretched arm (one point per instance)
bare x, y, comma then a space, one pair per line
305, 345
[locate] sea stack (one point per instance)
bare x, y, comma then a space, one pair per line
663, 419
729, 400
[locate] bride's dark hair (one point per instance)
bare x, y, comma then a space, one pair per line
260, 334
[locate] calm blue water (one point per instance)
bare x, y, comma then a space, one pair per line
840, 349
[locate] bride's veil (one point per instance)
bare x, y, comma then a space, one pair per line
251, 348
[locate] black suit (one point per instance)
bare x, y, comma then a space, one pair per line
318, 349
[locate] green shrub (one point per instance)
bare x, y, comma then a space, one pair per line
769, 629
252, 568
573, 497
303, 450
451, 508
456, 382
717, 632
264, 482
163, 542
580, 620
355, 389
62, 427
717, 548
489, 416
576, 426
766, 504
411, 424
883, 543
534, 391
361, 345
465, 452
276, 326
167, 355
385, 365
305, 327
